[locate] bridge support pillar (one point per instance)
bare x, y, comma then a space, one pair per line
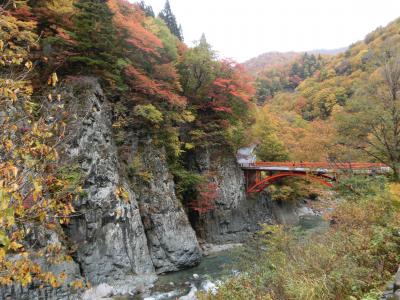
251, 177
260, 175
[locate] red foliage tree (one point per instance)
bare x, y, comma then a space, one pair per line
23, 13
142, 83
162, 82
129, 19
232, 81
55, 27
205, 201
167, 72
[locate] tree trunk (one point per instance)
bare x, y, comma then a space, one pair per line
396, 172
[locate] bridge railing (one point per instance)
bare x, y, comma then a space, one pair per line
318, 165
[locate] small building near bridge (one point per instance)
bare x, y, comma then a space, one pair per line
246, 155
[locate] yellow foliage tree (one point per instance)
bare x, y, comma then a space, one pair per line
264, 133
31, 191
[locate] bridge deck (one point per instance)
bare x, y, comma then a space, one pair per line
317, 167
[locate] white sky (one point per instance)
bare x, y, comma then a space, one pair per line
242, 29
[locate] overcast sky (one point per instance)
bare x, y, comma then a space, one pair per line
246, 28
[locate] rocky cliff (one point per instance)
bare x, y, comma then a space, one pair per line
172, 241
236, 216
108, 232
123, 232
114, 237
392, 291
126, 229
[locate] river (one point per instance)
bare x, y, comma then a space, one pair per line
213, 269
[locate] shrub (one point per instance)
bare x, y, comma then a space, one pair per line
355, 187
149, 112
352, 260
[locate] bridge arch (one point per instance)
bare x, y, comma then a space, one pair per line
265, 182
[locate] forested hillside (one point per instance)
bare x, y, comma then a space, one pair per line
320, 100
270, 60
275, 60
118, 144
341, 108
179, 98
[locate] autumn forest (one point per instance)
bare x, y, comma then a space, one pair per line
187, 102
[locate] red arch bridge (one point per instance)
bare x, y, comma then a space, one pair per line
259, 175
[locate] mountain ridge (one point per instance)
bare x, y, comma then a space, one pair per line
274, 59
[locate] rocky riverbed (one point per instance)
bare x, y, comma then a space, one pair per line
121, 244
221, 262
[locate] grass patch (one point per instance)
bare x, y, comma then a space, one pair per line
353, 259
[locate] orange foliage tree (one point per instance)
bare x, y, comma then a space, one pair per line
32, 190
129, 19
205, 201
161, 80
232, 83
219, 92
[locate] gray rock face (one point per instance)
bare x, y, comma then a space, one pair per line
109, 233
171, 239
397, 281
114, 237
286, 213
236, 217
392, 291
34, 291
124, 230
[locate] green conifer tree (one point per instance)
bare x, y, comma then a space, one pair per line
148, 10
97, 40
181, 32
170, 20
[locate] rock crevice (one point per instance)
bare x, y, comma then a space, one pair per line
126, 230
172, 241
235, 217
146, 231
109, 233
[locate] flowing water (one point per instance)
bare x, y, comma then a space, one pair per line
215, 268
313, 223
